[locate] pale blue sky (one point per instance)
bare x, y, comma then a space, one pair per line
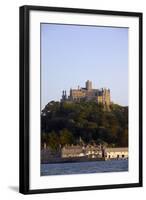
72, 54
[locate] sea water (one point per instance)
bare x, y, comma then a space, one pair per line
84, 167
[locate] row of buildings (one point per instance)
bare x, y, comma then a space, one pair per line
88, 93
94, 152
84, 152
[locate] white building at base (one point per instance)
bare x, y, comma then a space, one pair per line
116, 153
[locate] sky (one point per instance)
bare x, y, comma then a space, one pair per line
72, 54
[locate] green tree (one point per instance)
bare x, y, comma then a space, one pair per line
66, 137
53, 141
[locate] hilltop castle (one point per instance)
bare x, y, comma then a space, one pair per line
101, 96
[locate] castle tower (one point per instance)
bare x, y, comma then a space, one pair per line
88, 85
106, 96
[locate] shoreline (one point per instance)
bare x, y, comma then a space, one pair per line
71, 160
75, 160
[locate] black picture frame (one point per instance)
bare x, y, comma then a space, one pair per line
24, 147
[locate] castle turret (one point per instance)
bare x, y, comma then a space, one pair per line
107, 96
64, 96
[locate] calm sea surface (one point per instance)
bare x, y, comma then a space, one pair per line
84, 167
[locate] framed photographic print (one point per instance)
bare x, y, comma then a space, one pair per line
80, 99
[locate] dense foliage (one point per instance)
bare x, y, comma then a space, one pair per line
72, 123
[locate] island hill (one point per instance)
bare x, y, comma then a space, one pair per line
84, 126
